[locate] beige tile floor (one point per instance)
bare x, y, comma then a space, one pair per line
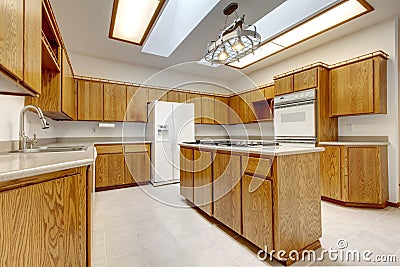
133, 229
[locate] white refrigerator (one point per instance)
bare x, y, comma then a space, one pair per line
168, 125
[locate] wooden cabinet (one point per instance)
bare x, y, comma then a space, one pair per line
157, 94
359, 88
109, 170
221, 108
234, 110
202, 180
176, 96
90, 100
136, 101
284, 85
47, 220
304, 80
245, 112
12, 37
269, 92
68, 98
196, 100
355, 175
227, 190
33, 45
207, 109
186, 174
137, 164
257, 211
114, 102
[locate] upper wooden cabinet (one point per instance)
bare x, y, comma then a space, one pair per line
305, 80
176, 96
156, 94
90, 100
196, 99
359, 88
284, 85
207, 109
68, 98
136, 101
234, 110
114, 102
269, 92
221, 108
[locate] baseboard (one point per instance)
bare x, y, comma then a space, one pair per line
355, 205
394, 205
99, 189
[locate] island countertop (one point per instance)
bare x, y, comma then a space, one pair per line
262, 150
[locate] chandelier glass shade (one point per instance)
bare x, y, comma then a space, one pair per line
234, 42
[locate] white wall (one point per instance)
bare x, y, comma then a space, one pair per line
383, 36
9, 122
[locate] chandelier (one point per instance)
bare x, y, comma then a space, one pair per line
233, 43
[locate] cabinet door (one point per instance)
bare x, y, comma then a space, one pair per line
269, 92
175, 96
33, 45
234, 110
68, 88
196, 100
12, 37
137, 168
47, 221
114, 102
202, 180
186, 174
227, 190
352, 89
109, 170
284, 85
136, 99
364, 175
207, 109
221, 110
257, 211
157, 94
90, 101
305, 80
330, 172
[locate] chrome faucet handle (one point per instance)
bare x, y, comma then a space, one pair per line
31, 142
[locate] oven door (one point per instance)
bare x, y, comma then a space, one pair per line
295, 120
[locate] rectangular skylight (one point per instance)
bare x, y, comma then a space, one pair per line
178, 20
132, 20
319, 23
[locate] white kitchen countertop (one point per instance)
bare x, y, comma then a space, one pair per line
262, 150
354, 143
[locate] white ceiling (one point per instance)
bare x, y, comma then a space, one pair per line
84, 25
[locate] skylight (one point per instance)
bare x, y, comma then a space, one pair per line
177, 21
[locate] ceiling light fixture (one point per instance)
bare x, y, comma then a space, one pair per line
336, 15
233, 43
132, 20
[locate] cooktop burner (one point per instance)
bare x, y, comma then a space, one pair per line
245, 143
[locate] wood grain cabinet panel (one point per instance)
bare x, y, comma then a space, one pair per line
196, 100
331, 173
137, 168
305, 80
157, 94
12, 37
284, 85
176, 96
45, 224
114, 102
33, 45
110, 170
269, 92
221, 110
359, 88
245, 112
257, 211
202, 180
207, 109
68, 97
234, 110
90, 101
227, 190
186, 174
136, 99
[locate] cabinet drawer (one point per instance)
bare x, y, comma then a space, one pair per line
136, 148
111, 149
259, 166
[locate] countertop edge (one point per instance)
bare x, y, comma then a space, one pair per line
352, 143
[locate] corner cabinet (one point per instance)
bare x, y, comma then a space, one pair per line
355, 175
359, 88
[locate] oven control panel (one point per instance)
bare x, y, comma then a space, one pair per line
296, 97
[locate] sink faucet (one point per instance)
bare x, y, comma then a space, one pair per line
24, 140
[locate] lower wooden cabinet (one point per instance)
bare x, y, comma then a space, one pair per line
202, 180
186, 174
46, 224
355, 175
257, 211
227, 190
118, 167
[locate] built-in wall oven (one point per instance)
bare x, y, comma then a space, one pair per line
294, 117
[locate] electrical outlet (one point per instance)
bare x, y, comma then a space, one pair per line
349, 127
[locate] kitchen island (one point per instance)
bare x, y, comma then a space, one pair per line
270, 195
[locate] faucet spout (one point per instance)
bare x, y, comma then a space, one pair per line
22, 136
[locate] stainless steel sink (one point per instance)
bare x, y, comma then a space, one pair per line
46, 149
